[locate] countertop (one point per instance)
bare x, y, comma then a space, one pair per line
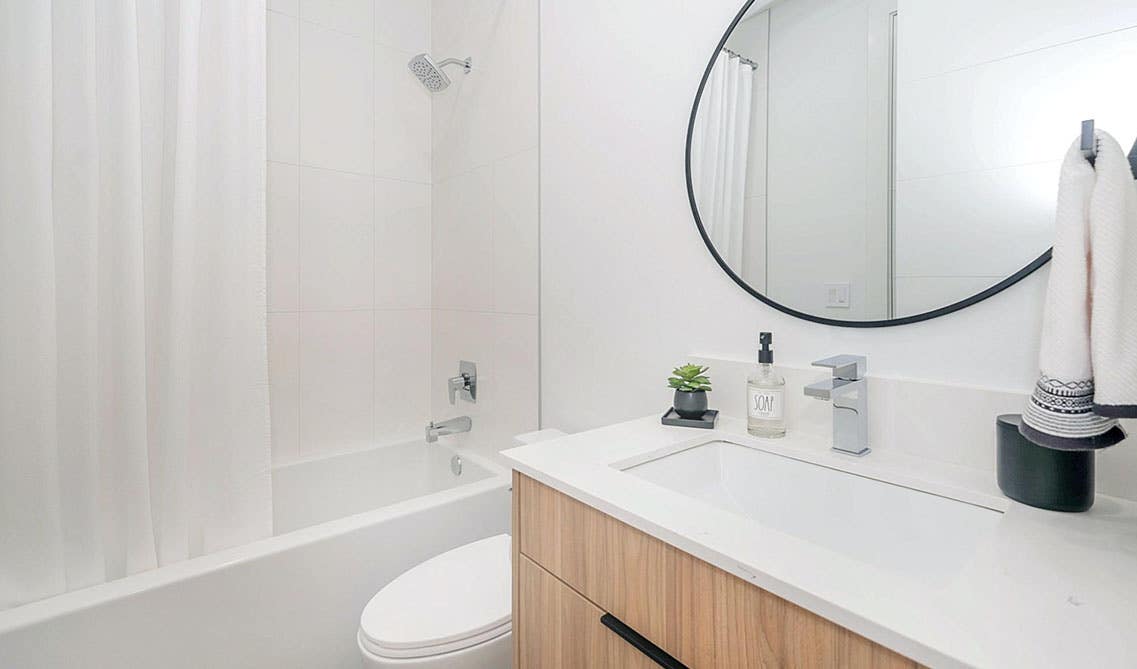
1045, 589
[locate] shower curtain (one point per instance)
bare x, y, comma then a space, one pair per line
720, 147
133, 373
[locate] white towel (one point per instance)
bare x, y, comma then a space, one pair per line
1060, 412
1113, 239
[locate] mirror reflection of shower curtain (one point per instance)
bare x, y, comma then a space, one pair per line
720, 146
133, 365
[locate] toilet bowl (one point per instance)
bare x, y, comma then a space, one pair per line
451, 611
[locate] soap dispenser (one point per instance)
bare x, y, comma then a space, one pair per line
765, 394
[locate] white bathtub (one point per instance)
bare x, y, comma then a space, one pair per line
346, 526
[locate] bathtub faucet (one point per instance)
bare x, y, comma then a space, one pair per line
444, 427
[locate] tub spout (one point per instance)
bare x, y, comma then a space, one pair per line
442, 428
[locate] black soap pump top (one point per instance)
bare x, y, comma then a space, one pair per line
765, 353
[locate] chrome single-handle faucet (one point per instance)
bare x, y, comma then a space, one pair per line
434, 430
465, 385
849, 392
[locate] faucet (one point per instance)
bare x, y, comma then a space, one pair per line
442, 428
465, 385
848, 390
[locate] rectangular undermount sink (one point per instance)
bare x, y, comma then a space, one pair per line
895, 528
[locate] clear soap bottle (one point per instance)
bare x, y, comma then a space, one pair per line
765, 394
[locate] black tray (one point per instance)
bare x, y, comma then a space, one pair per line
707, 422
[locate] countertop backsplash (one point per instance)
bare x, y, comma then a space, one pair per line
952, 424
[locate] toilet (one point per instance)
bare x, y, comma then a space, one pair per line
451, 611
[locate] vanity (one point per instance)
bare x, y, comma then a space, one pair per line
577, 568
642, 545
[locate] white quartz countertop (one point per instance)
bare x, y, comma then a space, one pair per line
1044, 589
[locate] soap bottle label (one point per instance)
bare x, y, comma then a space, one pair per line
765, 403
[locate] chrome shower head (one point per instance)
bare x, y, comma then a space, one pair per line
431, 74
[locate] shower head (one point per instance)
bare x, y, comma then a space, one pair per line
431, 74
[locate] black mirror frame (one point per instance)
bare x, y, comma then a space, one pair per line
935, 313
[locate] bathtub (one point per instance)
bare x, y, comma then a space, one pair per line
345, 526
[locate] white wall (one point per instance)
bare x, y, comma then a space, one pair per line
628, 289
484, 154
349, 224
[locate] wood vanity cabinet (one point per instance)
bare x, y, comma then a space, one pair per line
572, 564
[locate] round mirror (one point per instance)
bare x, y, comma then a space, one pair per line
874, 162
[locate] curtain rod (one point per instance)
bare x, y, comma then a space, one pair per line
741, 58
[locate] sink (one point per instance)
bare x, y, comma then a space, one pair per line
899, 529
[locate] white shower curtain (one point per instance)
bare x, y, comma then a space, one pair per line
720, 146
133, 373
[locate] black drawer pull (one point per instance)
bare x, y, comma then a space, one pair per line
654, 652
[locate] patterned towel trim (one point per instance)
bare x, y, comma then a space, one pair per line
1065, 409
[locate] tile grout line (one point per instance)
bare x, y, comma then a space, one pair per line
299, 272
984, 63
374, 241
302, 165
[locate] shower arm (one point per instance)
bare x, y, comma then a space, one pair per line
466, 63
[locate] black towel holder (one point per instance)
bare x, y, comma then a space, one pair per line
1089, 147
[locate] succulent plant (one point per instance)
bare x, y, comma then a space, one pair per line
690, 379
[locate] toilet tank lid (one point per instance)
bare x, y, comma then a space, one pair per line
460, 595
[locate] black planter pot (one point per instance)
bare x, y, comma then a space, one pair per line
690, 404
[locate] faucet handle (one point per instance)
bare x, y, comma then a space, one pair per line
847, 367
465, 385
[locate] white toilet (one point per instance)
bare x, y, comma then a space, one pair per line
449, 612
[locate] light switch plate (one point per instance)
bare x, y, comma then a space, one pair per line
837, 295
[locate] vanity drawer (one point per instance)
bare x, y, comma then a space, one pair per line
699, 614
556, 627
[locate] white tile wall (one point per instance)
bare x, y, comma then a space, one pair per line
461, 335
337, 100
349, 250
283, 212
505, 348
403, 25
284, 384
337, 377
352, 17
515, 359
402, 244
283, 87
355, 226
462, 229
337, 227
288, 7
402, 373
491, 112
485, 215
515, 233
402, 119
